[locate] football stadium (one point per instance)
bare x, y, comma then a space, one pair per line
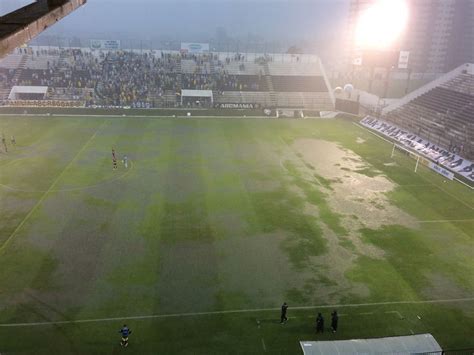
237, 196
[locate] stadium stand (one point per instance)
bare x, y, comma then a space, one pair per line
442, 113
155, 79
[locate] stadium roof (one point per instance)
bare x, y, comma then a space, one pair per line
22, 25
27, 90
421, 343
196, 93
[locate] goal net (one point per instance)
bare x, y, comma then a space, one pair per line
399, 151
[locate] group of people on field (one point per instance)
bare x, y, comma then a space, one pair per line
125, 331
319, 319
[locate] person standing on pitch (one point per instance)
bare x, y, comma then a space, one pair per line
4, 142
125, 161
13, 140
319, 323
334, 320
284, 308
125, 331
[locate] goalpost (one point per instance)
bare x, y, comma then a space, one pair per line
408, 153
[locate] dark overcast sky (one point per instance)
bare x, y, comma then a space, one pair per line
195, 20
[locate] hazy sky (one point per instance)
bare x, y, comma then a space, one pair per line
195, 20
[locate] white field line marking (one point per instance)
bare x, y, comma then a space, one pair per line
366, 313
453, 196
105, 182
447, 220
10, 162
263, 345
139, 116
395, 312
368, 130
40, 201
233, 311
414, 185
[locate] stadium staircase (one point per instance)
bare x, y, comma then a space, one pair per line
19, 71
271, 88
179, 76
169, 98
4, 93
328, 84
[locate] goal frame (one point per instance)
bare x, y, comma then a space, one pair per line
410, 154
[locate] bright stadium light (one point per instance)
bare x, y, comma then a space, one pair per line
382, 24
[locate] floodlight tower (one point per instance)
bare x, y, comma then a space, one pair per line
377, 37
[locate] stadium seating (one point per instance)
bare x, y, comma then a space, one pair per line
444, 114
299, 83
155, 79
11, 62
294, 68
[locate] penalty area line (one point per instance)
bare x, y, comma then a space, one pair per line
233, 311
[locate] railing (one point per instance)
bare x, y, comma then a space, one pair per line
424, 89
328, 84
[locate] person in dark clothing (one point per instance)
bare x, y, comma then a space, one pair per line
283, 317
125, 331
334, 320
319, 323
4, 142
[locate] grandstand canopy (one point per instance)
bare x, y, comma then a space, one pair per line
197, 94
23, 24
412, 344
19, 92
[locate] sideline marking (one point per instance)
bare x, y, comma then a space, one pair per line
233, 311
40, 201
397, 313
446, 220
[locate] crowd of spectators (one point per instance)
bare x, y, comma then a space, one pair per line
127, 78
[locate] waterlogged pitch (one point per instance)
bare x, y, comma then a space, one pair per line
212, 226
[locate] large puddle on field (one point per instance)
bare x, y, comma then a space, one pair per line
356, 194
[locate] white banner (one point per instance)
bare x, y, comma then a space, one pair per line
441, 156
194, 47
105, 44
403, 59
239, 106
442, 171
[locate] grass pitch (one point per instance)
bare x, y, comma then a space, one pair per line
213, 225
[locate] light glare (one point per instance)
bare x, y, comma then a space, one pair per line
382, 24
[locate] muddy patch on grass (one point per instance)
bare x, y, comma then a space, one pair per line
362, 193
260, 268
442, 287
334, 265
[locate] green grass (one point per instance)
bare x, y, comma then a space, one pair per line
224, 214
